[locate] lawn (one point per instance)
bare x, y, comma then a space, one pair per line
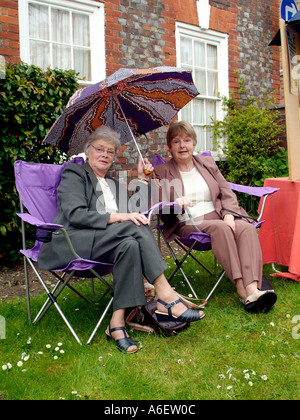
230, 355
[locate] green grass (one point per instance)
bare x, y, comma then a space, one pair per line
228, 355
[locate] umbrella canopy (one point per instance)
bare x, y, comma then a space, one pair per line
131, 101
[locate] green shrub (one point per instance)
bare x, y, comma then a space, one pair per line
30, 101
251, 133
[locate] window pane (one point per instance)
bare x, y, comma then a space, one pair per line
40, 54
209, 139
82, 62
198, 117
212, 59
60, 21
38, 22
200, 139
81, 30
186, 52
186, 113
200, 81
210, 111
199, 54
62, 57
212, 82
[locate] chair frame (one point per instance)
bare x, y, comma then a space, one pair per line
76, 266
262, 192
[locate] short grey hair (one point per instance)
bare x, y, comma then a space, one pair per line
106, 133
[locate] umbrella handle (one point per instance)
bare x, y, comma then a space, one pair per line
133, 138
135, 142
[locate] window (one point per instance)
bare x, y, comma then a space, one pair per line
65, 34
205, 53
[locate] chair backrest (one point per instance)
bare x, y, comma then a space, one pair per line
37, 185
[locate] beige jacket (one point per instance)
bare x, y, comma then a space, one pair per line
223, 198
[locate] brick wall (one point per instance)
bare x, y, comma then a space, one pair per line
9, 30
141, 33
251, 26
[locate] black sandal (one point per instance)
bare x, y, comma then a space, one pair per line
122, 344
190, 315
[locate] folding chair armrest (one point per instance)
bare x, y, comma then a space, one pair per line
262, 192
155, 209
170, 208
34, 221
174, 208
257, 191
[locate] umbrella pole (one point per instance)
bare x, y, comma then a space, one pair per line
133, 138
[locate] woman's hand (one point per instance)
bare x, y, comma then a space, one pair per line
184, 202
148, 168
229, 220
136, 218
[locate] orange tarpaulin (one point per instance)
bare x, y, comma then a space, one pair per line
280, 234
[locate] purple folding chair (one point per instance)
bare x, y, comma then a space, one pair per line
200, 241
37, 187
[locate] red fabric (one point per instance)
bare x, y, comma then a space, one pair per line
279, 236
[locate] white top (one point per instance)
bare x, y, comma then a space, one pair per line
109, 199
196, 189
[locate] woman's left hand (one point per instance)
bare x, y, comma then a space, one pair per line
229, 220
136, 218
148, 167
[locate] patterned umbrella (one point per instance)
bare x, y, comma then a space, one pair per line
131, 101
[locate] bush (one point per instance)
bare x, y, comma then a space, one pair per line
251, 132
30, 101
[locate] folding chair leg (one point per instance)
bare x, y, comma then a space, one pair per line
193, 256
55, 293
27, 289
100, 321
66, 322
53, 301
178, 265
215, 286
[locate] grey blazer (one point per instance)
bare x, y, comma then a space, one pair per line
81, 210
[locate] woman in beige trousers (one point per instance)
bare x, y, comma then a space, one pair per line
201, 191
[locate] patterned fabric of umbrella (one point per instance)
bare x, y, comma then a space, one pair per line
148, 98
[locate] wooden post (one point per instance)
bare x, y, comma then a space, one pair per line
290, 45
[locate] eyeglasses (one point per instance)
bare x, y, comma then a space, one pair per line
178, 142
100, 150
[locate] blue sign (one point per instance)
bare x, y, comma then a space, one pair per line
288, 9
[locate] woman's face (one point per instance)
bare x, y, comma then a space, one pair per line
182, 147
100, 156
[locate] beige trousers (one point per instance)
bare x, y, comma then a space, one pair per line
238, 252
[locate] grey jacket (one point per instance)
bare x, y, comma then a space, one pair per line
81, 210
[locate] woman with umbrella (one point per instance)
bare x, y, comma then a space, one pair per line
204, 196
104, 225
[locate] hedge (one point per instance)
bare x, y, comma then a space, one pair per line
30, 101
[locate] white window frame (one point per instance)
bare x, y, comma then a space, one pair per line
215, 38
96, 12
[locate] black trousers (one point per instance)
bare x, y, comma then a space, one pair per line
135, 255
